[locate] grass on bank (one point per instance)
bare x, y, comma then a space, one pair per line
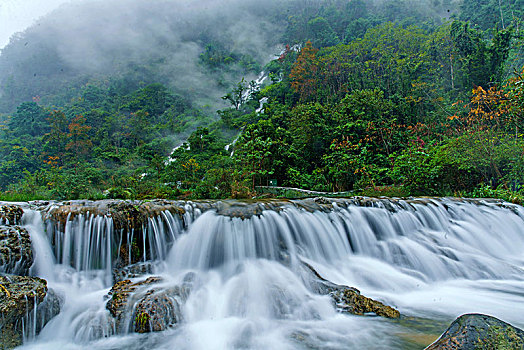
164, 191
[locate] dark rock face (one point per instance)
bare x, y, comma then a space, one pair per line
10, 214
121, 295
146, 306
156, 311
347, 299
132, 271
16, 256
18, 298
477, 331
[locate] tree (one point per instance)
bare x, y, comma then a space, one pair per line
240, 94
55, 139
30, 119
79, 143
304, 79
483, 142
480, 61
321, 33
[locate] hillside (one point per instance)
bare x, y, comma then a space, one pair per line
359, 94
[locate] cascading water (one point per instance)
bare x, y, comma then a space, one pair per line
431, 259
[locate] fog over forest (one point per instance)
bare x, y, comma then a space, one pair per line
159, 39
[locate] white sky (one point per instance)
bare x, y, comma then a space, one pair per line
17, 15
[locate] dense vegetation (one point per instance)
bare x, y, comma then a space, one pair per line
381, 99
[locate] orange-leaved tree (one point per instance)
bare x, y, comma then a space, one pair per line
304, 74
79, 142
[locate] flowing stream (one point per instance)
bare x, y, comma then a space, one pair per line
432, 259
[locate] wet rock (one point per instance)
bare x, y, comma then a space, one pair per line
121, 294
351, 301
18, 298
319, 284
16, 255
127, 221
156, 311
10, 214
126, 214
347, 299
477, 331
132, 271
146, 306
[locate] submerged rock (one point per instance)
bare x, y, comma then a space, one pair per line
477, 331
10, 214
16, 256
146, 306
347, 299
18, 298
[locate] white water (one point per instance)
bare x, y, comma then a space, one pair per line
435, 260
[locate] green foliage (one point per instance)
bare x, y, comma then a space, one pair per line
321, 33
489, 14
419, 170
30, 118
371, 101
487, 191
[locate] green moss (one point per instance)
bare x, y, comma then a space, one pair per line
501, 338
142, 322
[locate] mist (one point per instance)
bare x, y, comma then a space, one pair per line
101, 38
161, 41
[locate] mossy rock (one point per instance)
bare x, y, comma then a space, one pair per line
10, 214
147, 305
156, 311
347, 299
479, 332
351, 301
132, 271
19, 296
121, 295
16, 255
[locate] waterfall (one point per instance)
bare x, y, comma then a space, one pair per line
248, 289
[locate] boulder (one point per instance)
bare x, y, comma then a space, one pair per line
18, 298
132, 271
477, 331
147, 305
156, 311
10, 214
16, 255
347, 299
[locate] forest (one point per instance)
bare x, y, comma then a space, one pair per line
377, 98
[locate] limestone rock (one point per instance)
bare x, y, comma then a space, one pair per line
351, 301
477, 331
347, 299
10, 214
156, 311
132, 271
146, 306
18, 298
16, 255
